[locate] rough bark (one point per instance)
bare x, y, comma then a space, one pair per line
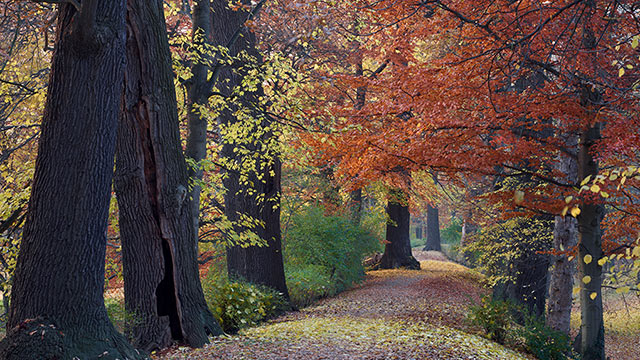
250, 193
433, 229
397, 250
565, 236
590, 243
59, 277
159, 246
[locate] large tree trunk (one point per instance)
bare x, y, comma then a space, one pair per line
590, 243
253, 167
159, 246
397, 251
433, 229
565, 236
198, 93
59, 278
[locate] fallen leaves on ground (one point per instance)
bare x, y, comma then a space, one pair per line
394, 314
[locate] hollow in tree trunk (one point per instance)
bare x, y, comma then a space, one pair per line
159, 246
397, 250
59, 279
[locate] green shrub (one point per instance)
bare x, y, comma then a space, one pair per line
544, 342
452, 233
332, 242
308, 283
239, 304
494, 317
120, 317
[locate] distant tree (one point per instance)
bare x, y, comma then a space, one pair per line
433, 229
59, 279
159, 245
397, 250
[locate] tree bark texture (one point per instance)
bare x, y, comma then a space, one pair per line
590, 243
397, 250
159, 246
198, 93
433, 229
59, 277
565, 236
250, 193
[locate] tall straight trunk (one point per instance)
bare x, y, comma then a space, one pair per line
397, 250
198, 93
355, 196
59, 278
254, 192
565, 236
355, 206
433, 229
159, 246
590, 243
589, 232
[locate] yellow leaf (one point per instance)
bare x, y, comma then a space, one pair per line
595, 188
602, 261
568, 199
570, 258
593, 295
576, 290
587, 259
575, 211
564, 211
586, 180
586, 279
636, 251
634, 42
604, 194
518, 196
620, 72
623, 290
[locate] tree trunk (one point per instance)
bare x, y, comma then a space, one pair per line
590, 243
433, 229
198, 93
59, 277
253, 167
565, 236
159, 247
355, 206
397, 251
419, 230
529, 267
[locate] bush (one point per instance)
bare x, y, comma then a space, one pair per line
544, 342
494, 317
237, 304
120, 317
308, 283
333, 243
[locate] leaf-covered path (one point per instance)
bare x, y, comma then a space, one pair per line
394, 314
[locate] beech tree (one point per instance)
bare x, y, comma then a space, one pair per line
249, 155
59, 279
397, 250
159, 245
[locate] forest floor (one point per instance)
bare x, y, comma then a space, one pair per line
393, 314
